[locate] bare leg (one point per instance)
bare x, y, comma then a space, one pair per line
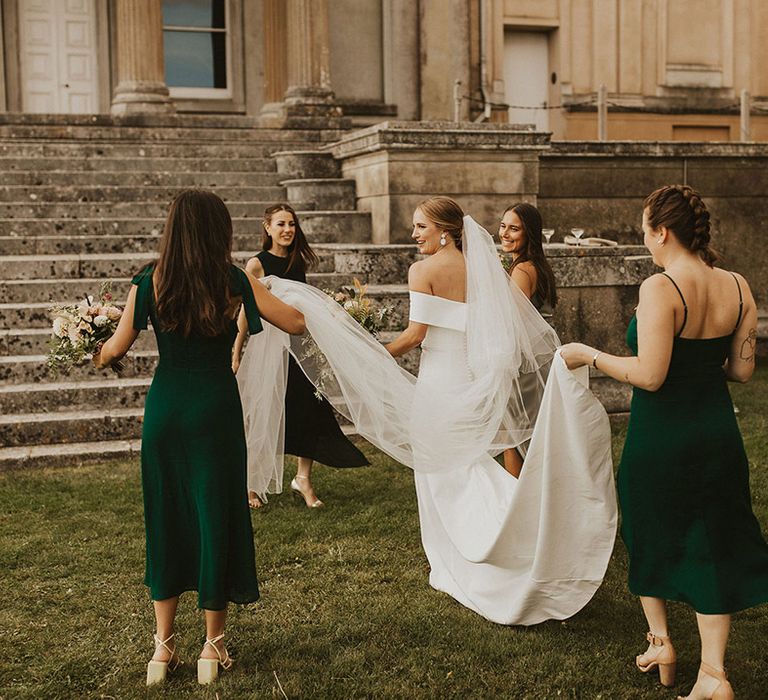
304, 482
655, 610
714, 631
513, 462
214, 626
660, 653
165, 614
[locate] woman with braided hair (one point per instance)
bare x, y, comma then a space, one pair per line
683, 480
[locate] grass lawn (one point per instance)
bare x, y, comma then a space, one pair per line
346, 610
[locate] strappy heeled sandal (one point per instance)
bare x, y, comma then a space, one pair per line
665, 658
158, 670
723, 691
317, 503
208, 669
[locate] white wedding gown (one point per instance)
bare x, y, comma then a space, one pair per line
514, 551
517, 551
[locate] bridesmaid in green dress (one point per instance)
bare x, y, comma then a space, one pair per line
683, 480
193, 453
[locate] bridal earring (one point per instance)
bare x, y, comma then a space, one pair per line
442, 239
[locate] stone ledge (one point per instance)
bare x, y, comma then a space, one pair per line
425, 136
654, 149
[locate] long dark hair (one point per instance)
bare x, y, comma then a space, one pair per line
533, 251
300, 254
681, 209
193, 273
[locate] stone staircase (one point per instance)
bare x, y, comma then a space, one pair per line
83, 200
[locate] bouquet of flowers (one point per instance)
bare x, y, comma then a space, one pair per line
358, 305
79, 329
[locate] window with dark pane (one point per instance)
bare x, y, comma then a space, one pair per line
195, 43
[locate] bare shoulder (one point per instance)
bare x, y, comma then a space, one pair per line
746, 291
419, 276
658, 286
254, 267
527, 267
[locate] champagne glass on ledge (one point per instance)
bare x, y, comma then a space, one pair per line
577, 233
548, 233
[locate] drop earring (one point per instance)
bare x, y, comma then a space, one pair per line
442, 239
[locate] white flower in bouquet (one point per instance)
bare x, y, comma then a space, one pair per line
100, 320
60, 326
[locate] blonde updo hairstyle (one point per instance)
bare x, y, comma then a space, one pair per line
681, 209
446, 214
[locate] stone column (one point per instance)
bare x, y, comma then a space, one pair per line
141, 87
309, 99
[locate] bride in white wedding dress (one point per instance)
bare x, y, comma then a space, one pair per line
514, 551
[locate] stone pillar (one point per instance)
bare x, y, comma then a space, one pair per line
309, 74
141, 87
309, 99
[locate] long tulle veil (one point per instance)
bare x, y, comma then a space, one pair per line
509, 348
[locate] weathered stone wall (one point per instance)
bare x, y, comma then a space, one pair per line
601, 186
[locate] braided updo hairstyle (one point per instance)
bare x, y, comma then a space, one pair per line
681, 209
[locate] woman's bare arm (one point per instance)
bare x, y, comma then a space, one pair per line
120, 343
415, 332
741, 358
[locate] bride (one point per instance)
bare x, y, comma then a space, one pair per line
515, 551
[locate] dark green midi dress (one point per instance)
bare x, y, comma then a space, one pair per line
683, 487
193, 462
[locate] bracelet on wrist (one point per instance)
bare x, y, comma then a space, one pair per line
594, 359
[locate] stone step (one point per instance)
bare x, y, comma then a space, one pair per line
58, 455
143, 165
101, 244
36, 341
28, 369
56, 427
319, 227
209, 180
183, 131
68, 291
132, 226
109, 392
23, 194
377, 264
126, 209
328, 193
36, 314
95, 267
85, 150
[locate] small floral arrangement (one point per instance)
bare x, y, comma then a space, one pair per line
79, 329
355, 301
358, 305
506, 262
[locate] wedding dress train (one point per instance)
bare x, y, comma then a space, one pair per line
514, 551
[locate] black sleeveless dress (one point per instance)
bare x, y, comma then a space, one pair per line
311, 429
683, 486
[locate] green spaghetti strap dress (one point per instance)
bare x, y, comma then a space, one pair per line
193, 462
683, 486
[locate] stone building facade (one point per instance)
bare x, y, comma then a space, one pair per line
673, 69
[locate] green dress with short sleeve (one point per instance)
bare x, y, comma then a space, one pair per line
683, 487
193, 462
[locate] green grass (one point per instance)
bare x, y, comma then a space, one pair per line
346, 609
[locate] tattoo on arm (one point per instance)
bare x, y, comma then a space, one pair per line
747, 350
